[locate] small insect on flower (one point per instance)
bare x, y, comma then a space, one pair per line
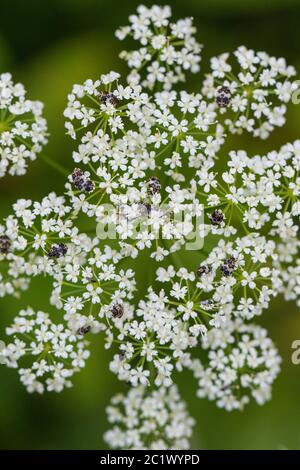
208, 304
77, 176
203, 270
229, 265
223, 96
106, 97
154, 185
5, 244
88, 186
217, 217
122, 355
58, 250
144, 209
81, 182
117, 311
83, 330
92, 279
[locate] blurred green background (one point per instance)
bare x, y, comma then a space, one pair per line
49, 45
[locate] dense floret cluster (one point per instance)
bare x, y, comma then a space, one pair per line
149, 420
23, 130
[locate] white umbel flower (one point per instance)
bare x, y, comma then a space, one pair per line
23, 130
46, 354
253, 97
242, 362
145, 419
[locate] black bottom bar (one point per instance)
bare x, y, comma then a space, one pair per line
136, 459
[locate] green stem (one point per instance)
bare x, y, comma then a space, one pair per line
64, 171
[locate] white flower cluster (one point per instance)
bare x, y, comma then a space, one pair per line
145, 419
23, 130
253, 94
291, 279
167, 50
87, 287
120, 164
143, 182
152, 344
51, 353
242, 362
289, 267
254, 193
38, 238
102, 103
235, 279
